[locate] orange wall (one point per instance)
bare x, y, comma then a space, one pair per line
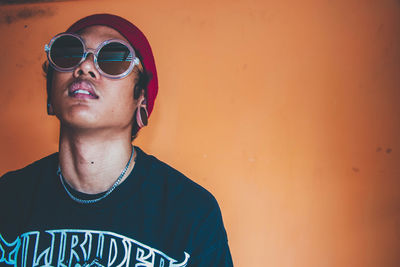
287, 111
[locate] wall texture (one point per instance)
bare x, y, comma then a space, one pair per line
287, 111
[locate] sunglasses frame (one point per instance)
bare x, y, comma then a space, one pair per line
86, 51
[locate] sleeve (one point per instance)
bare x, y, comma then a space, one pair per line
219, 256
9, 203
212, 241
16, 191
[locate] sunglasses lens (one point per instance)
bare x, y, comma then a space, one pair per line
66, 51
114, 58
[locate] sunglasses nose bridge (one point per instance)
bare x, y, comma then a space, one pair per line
88, 64
89, 51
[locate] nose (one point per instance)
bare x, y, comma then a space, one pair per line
87, 68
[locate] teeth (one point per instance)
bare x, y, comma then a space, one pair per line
80, 91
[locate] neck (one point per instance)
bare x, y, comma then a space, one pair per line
91, 164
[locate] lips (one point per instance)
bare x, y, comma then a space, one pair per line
82, 90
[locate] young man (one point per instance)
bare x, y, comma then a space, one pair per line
99, 201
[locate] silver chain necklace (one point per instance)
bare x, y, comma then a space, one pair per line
90, 201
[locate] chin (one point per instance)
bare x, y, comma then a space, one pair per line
81, 119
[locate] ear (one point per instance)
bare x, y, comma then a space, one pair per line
50, 110
142, 99
139, 96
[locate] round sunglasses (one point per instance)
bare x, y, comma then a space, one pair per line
113, 58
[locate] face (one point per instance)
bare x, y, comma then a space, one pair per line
84, 99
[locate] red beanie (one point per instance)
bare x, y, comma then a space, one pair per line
135, 37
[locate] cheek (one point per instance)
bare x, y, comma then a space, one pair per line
58, 84
124, 93
126, 89
60, 79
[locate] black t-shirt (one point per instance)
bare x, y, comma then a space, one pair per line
156, 217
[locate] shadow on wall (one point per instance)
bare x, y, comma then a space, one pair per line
11, 16
17, 2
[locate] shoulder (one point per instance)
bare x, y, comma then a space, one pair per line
160, 173
18, 189
27, 176
175, 185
